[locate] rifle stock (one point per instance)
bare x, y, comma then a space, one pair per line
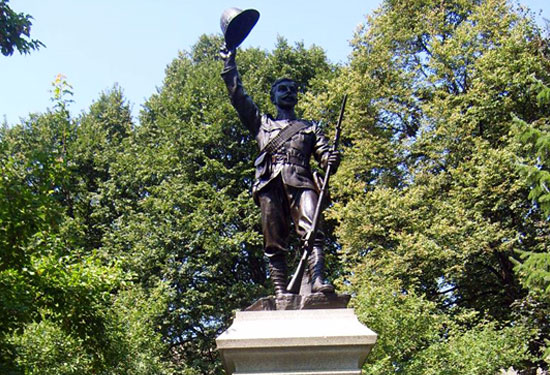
296, 280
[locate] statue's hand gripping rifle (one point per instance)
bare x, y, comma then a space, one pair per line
295, 282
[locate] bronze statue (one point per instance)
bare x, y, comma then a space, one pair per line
284, 186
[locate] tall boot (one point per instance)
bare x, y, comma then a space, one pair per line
277, 271
316, 262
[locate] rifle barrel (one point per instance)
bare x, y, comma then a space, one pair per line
294, 284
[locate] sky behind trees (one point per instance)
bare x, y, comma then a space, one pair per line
99, 43
96, 44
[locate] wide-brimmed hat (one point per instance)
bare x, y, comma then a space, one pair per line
236, 25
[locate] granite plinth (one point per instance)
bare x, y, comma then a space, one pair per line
295, 342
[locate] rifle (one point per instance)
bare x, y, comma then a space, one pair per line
294, 285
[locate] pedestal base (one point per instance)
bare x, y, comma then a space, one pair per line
304, 342
301, 302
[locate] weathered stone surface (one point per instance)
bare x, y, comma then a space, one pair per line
299, 342
299, 302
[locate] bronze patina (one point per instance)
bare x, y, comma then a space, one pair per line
284, 186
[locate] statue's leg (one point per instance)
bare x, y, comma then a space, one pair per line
275, 228
316, 262
302, 207
278, 273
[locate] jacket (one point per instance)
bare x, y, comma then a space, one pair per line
291, 160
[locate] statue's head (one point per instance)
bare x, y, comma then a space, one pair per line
284, 93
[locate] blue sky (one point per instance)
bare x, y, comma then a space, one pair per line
97, 43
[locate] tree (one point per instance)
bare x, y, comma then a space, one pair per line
15, 30
533, 268
138, 241
416, 337
66, 307
182, 188
428, 193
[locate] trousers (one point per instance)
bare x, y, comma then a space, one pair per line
281, 205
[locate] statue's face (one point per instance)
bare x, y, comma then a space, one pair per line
285, 94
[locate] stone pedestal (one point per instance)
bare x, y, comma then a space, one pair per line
302, 342
301, 302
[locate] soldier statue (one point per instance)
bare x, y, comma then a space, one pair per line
284, 186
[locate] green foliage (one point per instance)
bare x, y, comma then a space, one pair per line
15, 29
132, 323
60, 293
428, 194
415, 337
481, 350
535, 272
68, 302
45, 348
533, 162
534, 157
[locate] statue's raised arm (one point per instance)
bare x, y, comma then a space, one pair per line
236, 24
246, 108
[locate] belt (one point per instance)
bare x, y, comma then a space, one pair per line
289, 159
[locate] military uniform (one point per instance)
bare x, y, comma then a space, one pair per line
284, 185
